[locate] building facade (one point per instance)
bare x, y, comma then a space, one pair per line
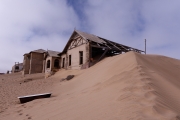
52, 61
84, 50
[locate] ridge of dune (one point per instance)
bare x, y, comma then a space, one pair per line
126, 86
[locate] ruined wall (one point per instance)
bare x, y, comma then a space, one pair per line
26, 65
36, 63
75, 58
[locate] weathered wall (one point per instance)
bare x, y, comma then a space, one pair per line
26, 65
36, 63
63, 56
48, 69
52, 60
75, 56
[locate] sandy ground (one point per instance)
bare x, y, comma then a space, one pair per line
130, 86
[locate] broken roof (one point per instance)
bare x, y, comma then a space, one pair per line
90, 37
100, 41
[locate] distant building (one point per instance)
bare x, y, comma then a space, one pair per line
17, 67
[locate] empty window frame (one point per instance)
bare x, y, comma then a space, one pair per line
56, 63
80, 57
69, 60
63, 62
48, 64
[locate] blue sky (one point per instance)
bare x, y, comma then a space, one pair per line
27, 25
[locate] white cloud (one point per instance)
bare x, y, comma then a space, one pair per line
29, 25
130, 22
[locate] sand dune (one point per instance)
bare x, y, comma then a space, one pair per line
123, 87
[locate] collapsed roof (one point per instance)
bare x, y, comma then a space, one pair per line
101, 43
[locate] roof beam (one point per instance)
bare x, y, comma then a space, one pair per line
114, 45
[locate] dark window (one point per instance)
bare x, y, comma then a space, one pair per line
69, 60
80, 57
48, 64
63, 62
17, 67
56, 63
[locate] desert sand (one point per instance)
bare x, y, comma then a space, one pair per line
129, 86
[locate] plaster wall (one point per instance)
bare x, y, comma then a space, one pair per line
75, 57
52, 60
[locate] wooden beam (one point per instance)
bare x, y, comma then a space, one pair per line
97, 46
103, 54
114, 45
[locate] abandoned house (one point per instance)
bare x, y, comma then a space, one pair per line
81, 51
17, 67
84, 50
38, 61
52, 61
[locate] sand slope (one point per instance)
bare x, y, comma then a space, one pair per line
123, 87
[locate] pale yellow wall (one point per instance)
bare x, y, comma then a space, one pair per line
75, 56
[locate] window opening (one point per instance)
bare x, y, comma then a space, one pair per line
80, 57
69, 60
17, 67
56, 63
63, 62
48, 64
